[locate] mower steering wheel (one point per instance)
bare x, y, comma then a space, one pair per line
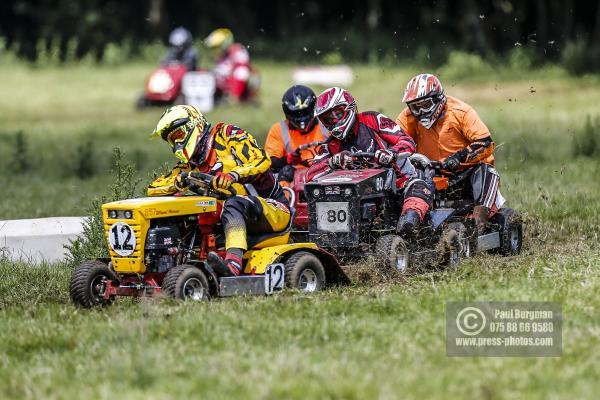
205, 180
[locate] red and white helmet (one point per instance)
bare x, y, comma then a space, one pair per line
336, 109
424, 96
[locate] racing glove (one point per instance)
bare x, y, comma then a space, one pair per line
181, 182
340, 160
223, 181
293, 158
384, 157
451, 163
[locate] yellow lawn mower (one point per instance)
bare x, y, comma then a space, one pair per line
160, 245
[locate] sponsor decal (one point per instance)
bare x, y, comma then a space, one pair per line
336, 179
206, 203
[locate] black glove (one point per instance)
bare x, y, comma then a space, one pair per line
451, 163
384, 157
340, 160
181, 181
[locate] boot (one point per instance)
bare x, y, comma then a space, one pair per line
222, 267
408, 222
481, 216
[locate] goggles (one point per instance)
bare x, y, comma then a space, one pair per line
422, 106
332, 117
177, 135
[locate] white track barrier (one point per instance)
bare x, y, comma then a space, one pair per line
40, 239
338, 75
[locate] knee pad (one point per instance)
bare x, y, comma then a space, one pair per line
418, 188
484, 178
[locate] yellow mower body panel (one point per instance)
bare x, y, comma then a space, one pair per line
141, 211
258, 260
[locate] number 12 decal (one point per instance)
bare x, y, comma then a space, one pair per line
274, 278
122, 238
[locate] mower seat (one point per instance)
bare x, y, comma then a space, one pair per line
273, 238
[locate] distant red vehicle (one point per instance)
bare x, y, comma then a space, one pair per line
163, 86
173, 83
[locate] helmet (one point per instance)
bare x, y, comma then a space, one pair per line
425, 98
336, 109
298, 105
180, 38
219, 39
187, 132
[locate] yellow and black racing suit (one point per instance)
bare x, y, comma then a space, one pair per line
263, 209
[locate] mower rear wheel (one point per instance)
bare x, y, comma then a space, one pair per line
88, 283
186, 282
511, 232
393, 254
304, 271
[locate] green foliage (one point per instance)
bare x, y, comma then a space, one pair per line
586, 141
92, 243
521, 58
333, 58
461, 65
21, 157
32, 285
575, 57
85, 162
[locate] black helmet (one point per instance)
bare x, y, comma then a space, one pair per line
298, 105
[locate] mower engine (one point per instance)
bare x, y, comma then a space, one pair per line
162, 247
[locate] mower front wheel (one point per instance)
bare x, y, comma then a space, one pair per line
88, 284
304, 271
393, 254
511, 232
186, 282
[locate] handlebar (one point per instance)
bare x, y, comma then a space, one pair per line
204, 179
308, 146
366, 154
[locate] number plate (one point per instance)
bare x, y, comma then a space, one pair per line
199, 89
274, 278
333, 216
121, 238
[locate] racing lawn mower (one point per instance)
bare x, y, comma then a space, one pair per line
354, 213
172, 83
160, 245
504, 232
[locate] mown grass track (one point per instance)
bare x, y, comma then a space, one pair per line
371, 340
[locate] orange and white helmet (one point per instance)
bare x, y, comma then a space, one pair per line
425, 98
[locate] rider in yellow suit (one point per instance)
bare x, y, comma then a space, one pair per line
232, 155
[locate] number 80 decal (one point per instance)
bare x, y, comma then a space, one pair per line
121, 238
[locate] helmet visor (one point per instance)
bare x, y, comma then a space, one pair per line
333, 117
422, 106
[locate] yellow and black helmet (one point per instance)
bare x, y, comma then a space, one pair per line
219, 39
187, 132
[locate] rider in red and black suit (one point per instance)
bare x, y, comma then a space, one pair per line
370, 131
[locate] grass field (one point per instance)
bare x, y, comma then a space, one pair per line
371, 340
